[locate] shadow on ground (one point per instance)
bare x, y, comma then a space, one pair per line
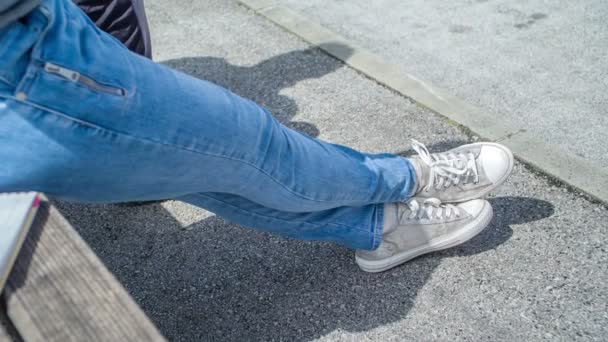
264, 81
213, 280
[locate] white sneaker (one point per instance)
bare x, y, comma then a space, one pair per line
422, 226
461, 174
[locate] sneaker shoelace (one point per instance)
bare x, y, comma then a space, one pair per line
430, 208
448, 168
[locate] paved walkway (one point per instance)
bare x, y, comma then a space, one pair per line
541, 66
539, 272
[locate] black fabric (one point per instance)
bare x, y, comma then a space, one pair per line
124, 19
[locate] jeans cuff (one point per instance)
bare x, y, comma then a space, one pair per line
378, 228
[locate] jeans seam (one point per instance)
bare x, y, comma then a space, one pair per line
7, 82
23, 85
148, 140
378, 226
276, 218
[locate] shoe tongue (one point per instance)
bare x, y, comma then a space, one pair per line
422, 173
391, 218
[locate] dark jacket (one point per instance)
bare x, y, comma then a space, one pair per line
124, 19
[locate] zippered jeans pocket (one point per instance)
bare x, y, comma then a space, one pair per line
79, 78
83, 92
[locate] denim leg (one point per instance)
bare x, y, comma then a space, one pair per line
130, 129
84, 119
354, 227
56, 150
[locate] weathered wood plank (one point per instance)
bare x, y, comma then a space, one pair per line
3, 334
60, 291
6, 333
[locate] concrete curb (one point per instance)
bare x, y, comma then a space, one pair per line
556, 162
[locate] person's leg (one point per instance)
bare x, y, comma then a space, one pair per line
84, 119
354, 227
118, 127
46, 149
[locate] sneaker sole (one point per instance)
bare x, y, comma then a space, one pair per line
497, 184
456, 238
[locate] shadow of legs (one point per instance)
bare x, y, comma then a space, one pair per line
264, 81
213, 280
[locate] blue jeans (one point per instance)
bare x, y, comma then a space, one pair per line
84, 119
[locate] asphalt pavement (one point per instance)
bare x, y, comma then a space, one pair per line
538, 272
540, 66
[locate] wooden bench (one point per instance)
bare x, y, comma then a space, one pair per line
59, 290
